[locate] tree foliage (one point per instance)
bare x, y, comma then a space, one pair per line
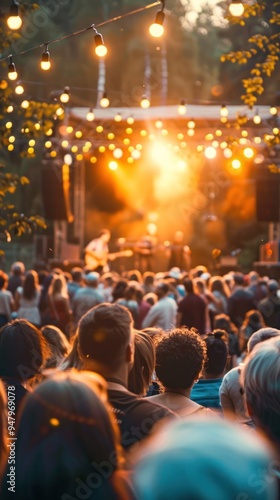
263, 47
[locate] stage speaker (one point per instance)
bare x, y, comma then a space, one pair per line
268, 198
270, 252
56, 192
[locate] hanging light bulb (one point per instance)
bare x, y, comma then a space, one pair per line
19, 89
182, 108
12, 74
90, 115
257, 119
118, 117
273, 110
14, 20
45, 61
224, 111
236, 8
104, 101
100, 48
156, 29
145, 102
65, 96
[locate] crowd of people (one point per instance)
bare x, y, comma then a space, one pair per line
139, 386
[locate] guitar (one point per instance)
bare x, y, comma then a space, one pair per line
93, 261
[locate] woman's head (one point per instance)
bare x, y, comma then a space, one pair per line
217, 284
58, 345
23, 350
254, 319
180, 356
67, 436
30, 284
217, 353
73, 359
144, 364
223, 322
3, 280
58, 286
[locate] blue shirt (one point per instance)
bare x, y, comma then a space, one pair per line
206, 392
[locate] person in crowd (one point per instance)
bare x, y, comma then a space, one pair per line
87, 297
200, 289
163, 313
205, 460
192, 309
134, 275
7, 303
143, 308
27, 298
73, 359
68, 445
3, 428
270, 306
206, 391
129, 299
140, 376
106, 286
253, 322
260, 378
256, 287
58, 344
75, 283
240, 301
16, 277
44, 305
106, 346
223, 322
221, 292
231, 390
180, 356
148, 282
119, 290
23, 352
61, 314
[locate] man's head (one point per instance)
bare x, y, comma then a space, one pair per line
162, 290
188, 284
106, 337
77, 274
92, 279
261, 377
238, 279
105, 235
180, 356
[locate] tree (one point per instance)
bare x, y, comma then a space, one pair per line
261, 19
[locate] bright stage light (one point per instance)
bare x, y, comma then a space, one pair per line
118, 153
248, 153
236, 164
210, 153
113, 165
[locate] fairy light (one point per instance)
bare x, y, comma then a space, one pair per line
104, 101
12, 72
182, 108
90, 115
145, 102
100, 48
236, 8
14, 20
156, 29
65, 96
45, 60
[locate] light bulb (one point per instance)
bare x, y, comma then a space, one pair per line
273, 110
104, 101
145, 103
12, 72
236, 8
224, 111
100, 48
45, 61
25, 104
257, 119
65, 96
19, 89
118, 117
90, 116
156, 29
182, 109
14, 20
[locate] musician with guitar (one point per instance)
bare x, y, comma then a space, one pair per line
97, 253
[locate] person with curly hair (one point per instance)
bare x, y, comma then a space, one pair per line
180, 357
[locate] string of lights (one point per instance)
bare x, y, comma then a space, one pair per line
101, 50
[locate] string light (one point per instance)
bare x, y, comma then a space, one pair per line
130, 120
100, 48
273, 110
156, 29
90, 115
14, 20
12, 72
45, 61
224, 111
182, 109
145, 103
236, 8
104, 101
65, 96
118, 117
19, 89
257, 119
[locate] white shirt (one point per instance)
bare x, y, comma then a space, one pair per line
162, 314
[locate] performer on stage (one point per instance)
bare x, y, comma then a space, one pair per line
145, 250
96, 252
178, 253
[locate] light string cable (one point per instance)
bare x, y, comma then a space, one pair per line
84, 30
